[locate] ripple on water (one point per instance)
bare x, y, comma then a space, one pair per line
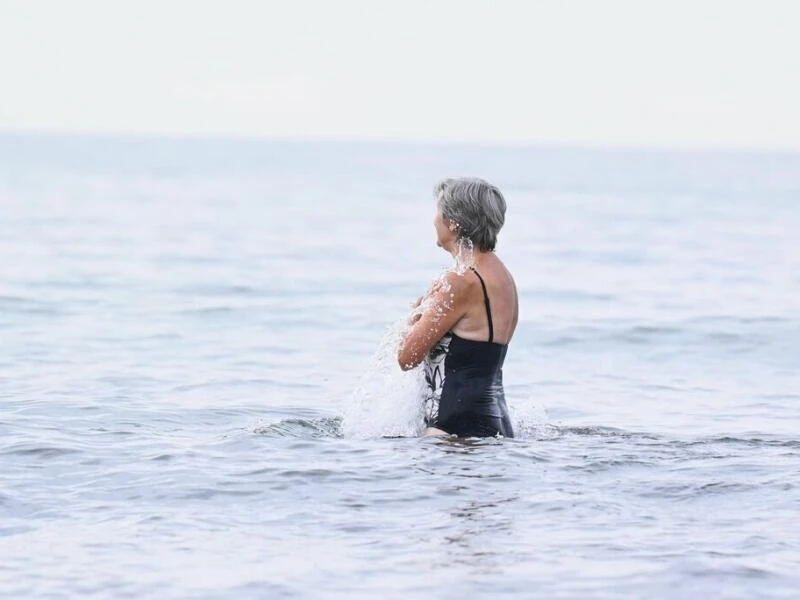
37, 451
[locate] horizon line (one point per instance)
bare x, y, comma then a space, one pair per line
122, 135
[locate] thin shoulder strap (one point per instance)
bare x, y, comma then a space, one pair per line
488, 306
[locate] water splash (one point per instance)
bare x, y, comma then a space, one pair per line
387, 401
464, 257
530, 421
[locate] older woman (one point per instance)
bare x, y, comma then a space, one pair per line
461, 327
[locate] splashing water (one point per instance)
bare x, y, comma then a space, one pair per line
530, 420
464, 256
387, 401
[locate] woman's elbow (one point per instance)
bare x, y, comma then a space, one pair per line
406, 361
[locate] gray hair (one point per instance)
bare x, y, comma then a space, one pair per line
476, 207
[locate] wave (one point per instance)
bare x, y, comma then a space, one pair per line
324, 427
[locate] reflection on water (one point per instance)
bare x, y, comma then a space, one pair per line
479, 528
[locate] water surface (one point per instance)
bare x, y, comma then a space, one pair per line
195, 401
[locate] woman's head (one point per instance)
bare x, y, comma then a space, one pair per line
474, 210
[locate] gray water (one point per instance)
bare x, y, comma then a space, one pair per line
197, 395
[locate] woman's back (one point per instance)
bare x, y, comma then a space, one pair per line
491, 275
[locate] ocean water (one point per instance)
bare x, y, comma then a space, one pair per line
198, 397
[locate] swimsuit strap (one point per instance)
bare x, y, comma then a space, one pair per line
488, 306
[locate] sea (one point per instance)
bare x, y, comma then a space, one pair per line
199, 395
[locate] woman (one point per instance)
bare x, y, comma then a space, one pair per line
462, 326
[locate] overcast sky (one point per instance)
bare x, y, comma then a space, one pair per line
685, 73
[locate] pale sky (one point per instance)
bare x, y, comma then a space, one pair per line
677, 73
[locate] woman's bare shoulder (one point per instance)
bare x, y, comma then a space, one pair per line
455, 282
503, 272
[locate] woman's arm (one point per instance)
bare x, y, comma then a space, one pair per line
443, 307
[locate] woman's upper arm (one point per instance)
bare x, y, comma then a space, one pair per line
444, 309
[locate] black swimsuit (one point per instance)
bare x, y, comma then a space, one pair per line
465, 384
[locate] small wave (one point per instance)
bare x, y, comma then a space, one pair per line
691, 491
214, 290
38, 451
29, 306
324, 427
609, 432
597, 466
571, 295
206, 311
211, 493
753, 442
733, 334
635, 335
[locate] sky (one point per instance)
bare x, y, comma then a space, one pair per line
678, 73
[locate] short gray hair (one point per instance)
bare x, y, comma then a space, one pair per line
476, 207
